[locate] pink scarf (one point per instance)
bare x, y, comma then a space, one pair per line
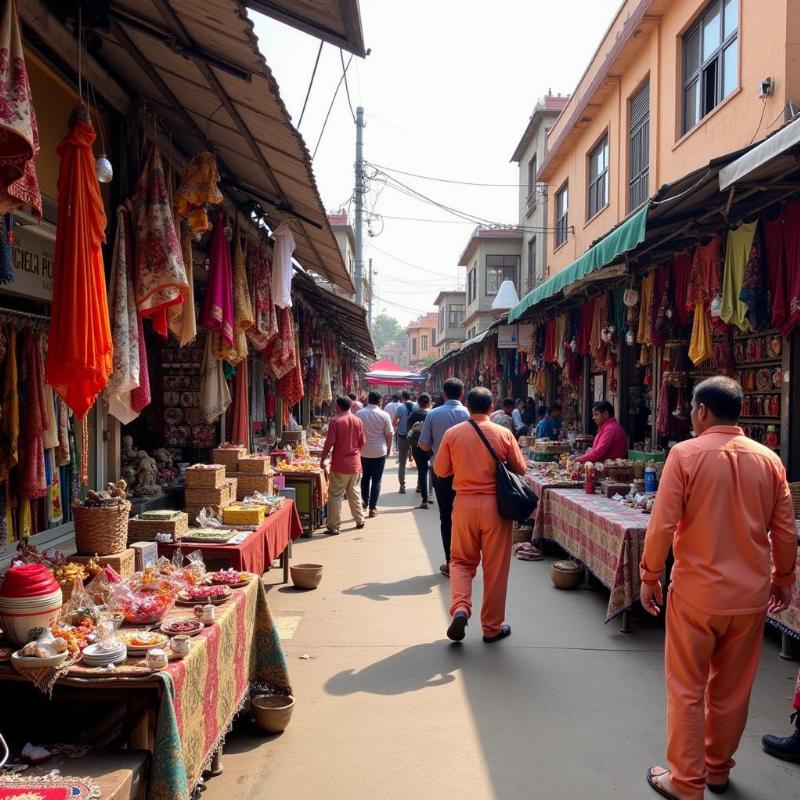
218, 308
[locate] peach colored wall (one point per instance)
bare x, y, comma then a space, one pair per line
769, 45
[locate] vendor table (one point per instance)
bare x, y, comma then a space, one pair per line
259, 550
788, 622
605, 536
311, 494
191, 705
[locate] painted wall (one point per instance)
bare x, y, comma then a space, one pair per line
769, 46
483, 300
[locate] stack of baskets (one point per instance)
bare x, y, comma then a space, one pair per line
254, 474
207, 486
145, 527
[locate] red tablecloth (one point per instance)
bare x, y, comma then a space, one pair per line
257, 552
607, 537
789, 620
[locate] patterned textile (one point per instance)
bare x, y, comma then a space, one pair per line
9, 420
789, 621
608, 538
282, 353
644, 335
242, 311
241, 406
6, 240
33, 480
258, 402
160, 275
754, 292
19, 134
265, 320
218, 308
540, 484
197, 190
290, 386
182, 321
705, 278
125, 325
215, 397
51, 787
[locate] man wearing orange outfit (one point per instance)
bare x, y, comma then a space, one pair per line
724, 507
480, 534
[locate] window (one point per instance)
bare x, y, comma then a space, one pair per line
455, 315
598, 177
533, 273
441, 317
472, 284
424, 343
499, 269
532, 169
414, 346
710, 60
639, 155
562, 214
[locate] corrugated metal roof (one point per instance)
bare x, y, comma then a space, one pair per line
199, 67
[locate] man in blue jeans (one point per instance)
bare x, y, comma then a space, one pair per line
378, 433
436, 424
404, 410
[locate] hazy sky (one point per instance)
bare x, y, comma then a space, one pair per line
447, 91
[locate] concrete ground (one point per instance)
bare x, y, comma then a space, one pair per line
388, 709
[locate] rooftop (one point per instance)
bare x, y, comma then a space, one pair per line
548, 106
482, 234
448, 293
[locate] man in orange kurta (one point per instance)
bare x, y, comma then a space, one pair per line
724, 507
480, 534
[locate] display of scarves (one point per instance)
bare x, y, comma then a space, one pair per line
325, 393
6, 252
754, 293
738, 249
265, 320
125, 325
183, 322
218, 308
215, 397
700, 347
561, 333
644, 332
63, 450
282, 352
198, 189
160, 275
9, 419
662, 308
585, 327
242, 311
241, 406
19, 133
290, 386
33, 481
599, 319
79, 353
140, 396
681, 270
662, 419
258, 405
51, 423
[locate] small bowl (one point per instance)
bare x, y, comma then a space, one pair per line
306, 576
566, 574
32, 662
272, 712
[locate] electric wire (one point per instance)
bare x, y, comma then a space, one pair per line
310, 84
330, 108
448, 180
347, 85
761, 119
410, 264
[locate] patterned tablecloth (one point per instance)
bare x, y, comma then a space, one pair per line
200, 694
539, 483
608, 538
789, 620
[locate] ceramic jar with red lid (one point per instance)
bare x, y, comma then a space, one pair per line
30, 598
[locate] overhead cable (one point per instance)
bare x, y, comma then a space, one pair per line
310, 84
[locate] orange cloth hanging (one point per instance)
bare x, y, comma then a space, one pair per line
79, 352
241, 406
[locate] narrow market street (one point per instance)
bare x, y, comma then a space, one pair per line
388, 708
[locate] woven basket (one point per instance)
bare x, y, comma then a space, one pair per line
206, 478
247, 483
794, 488
217, 509
624, 474
521, 534
229, 457
145, 530
253, 465
566, 574
102, 531
221, 495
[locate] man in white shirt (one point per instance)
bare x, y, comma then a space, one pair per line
516, 416
378, 432
391, 409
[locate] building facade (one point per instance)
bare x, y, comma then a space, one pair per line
529, 155
673, 84
422, 341
491, 256
346, 239
452, 312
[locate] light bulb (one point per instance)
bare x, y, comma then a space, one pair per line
103, 169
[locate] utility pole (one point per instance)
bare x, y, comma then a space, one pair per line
369, 316
359, 196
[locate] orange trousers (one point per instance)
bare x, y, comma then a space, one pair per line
710, 664
480, 536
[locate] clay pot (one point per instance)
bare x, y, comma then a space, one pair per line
306, 576
272, 712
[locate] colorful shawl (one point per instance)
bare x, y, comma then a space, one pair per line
19, 134
215, 397
182, 321
282, 353
33, 481
218, 308
160, 276
646, 291
265, 320
9, 420
79, 353
124, 326
242, 311
754, 293
197, 190
241, 406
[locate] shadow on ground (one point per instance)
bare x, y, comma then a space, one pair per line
421, 584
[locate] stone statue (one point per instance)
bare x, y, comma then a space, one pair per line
166, 472
129, 475
146, 476
128, 450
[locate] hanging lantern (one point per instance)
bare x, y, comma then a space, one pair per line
630, 297
103, 169
629, 338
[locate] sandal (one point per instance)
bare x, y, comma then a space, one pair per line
445, 570
654, 777
423, 504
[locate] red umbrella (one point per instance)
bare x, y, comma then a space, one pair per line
79, 352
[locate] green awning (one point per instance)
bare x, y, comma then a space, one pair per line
623, 238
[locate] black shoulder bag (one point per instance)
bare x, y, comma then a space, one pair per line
515, 499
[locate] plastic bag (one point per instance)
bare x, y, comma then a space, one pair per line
195, 573
99, 587
80, 608
146, 597
45, 646
208, 519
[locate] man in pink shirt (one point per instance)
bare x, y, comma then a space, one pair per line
610, 441
344, 441
724, 507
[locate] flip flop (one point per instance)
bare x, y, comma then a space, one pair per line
445, 570
505, 630
652, 777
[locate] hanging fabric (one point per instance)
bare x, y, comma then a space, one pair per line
282, 266
661, 312
754, 292
791, 232
265, 321
681, 269
585, 327
561, 332
644, 333
33, 481
198, 189
737, 253
9, 419
19, 133
242, 310
63, 456
290, 386
597, 346
215, 397
161, 282
218, 308
241, 406
183, 321
282, 354
125, 325
258, 406
79, 353
700, 348
6, 252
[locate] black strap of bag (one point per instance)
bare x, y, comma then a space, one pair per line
515, 499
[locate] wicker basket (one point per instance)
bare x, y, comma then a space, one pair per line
103, 530
624, 474
212, 497
205, 478
247, 483
145, 530
253, 465
566, 574
520, 534
229, 457
794, 488
217, 509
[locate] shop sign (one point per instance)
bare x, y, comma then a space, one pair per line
508, 337
526, 337
32, 257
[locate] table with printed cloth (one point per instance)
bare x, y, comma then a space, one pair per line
186, 710
605, 536
788, 622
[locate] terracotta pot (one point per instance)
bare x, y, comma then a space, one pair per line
272, 712
306, 576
